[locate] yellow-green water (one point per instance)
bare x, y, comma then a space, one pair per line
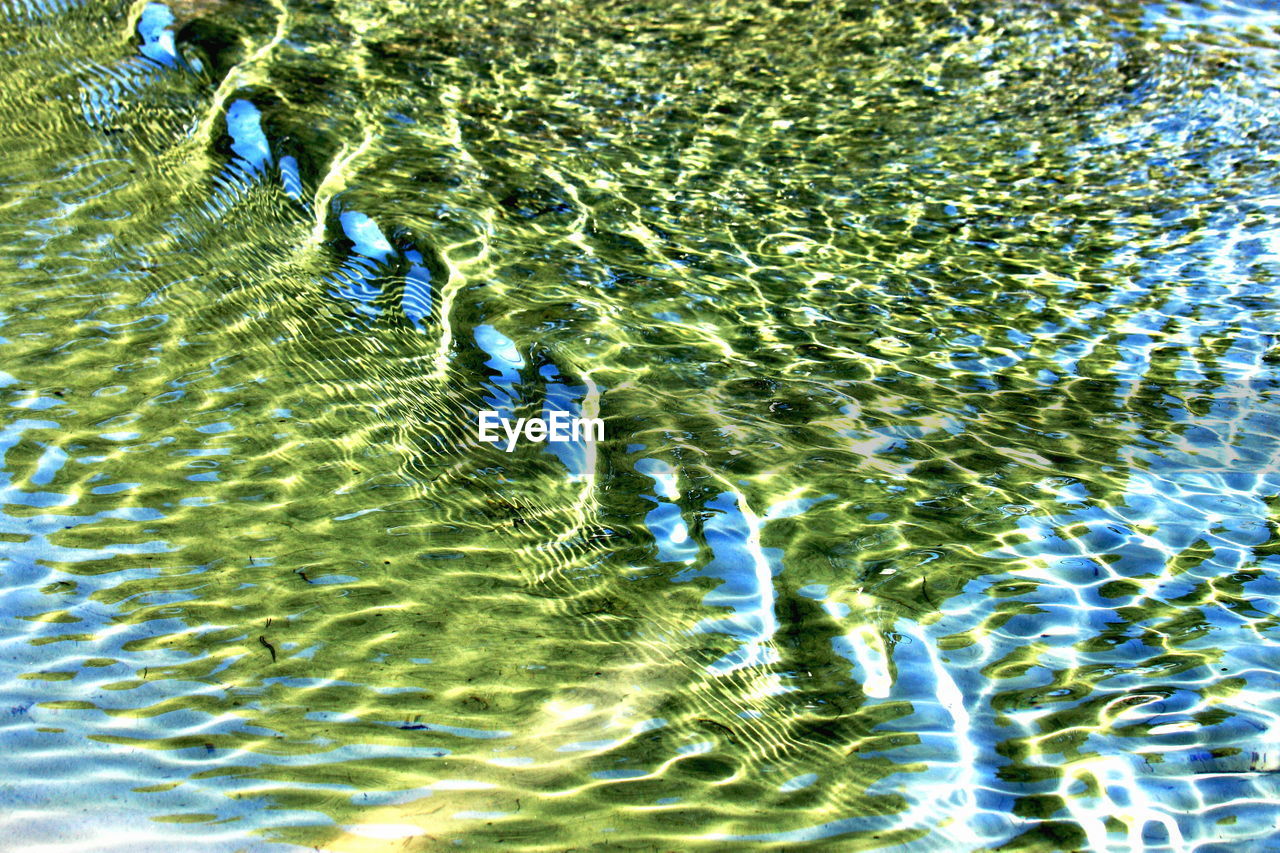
936, 345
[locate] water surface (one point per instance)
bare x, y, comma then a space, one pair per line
937, 349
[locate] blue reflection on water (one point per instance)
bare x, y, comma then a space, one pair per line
665, 521
566, 399
154, 26
504, 360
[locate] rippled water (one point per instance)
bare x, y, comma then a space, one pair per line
937, 350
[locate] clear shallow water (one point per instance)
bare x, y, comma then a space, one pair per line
936, 346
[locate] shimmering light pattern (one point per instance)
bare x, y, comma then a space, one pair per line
938, 352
